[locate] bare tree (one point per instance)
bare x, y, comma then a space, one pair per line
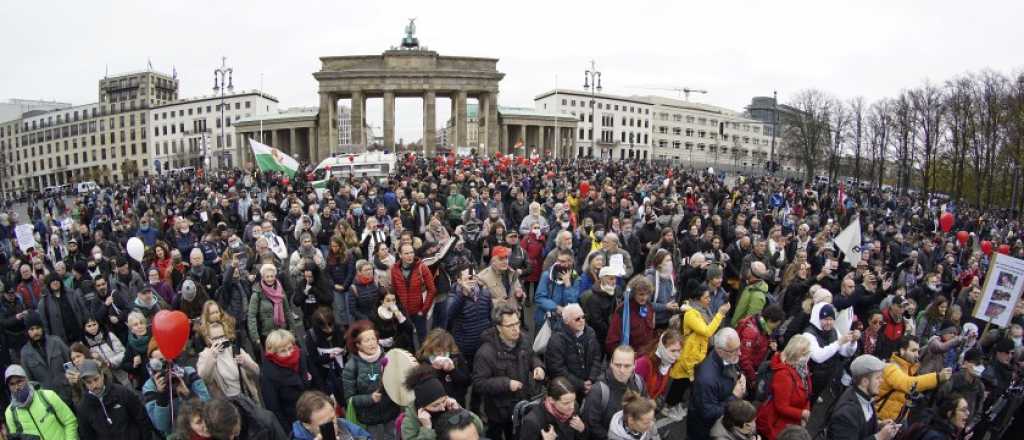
839, 121
857, 109
806, 130
903, 128
960, 104
879, 124
927, 105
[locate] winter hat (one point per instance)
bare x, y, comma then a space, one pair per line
14, 370
714, 271
1003, 345
428, 391
948, 327
827, 311
866, 364
33, 319
188, 290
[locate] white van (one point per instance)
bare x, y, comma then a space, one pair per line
372, 164
87, 187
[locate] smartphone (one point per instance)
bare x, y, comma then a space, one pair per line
327, 431
68, 366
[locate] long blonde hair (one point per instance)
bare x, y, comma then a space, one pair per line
226, 320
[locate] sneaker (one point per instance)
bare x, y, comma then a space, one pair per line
677, 412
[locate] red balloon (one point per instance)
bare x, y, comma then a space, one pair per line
946, 221
962, 237
584, 188
171, 330
1004, 249
986, 247
486, 161
498, 155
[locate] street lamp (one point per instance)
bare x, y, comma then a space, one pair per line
775, 126
226, 83
592, 76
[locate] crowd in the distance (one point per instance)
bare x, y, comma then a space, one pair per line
540, 300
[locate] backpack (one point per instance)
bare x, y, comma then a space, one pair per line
18, 429
604, 392
520, 411
763, 389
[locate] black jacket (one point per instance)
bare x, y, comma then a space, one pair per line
713, 383
257, 423
538, 419
847, 419
495, 366
576, 358
120, 415
281, 388
598, 307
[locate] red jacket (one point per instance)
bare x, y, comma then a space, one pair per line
410, 290
790, 397
30, 292
641, 331
753, 346
534, 249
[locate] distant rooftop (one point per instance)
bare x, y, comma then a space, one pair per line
530, 112
209, 97
294, 112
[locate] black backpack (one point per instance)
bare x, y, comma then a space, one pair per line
520, 411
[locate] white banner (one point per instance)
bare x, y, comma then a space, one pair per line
1002, 289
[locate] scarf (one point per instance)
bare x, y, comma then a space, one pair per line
364, 279
553, 410
138, 344
194, 436
291, 362
276, 296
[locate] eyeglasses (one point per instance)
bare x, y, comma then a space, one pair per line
578, 318
511, 325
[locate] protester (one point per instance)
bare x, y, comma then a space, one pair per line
635, 421
362, 378
315, 409
226, 368
606, 397
109, 410
698, 326
573, 351
167, 379
36, 411
269, 307
900, 378
635, 327
716, 382
432, 404
738, 422
44, 356
853, 417
790, 388
556, 413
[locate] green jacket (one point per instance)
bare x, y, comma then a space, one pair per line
412, 430
261, 315
47, 417
753, 299
456, 205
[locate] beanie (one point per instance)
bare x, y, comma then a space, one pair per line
188, 290
827, 311
500, 252
32, 319
427, 391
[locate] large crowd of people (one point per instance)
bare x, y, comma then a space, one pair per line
539, 299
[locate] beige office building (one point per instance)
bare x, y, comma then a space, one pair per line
106, 141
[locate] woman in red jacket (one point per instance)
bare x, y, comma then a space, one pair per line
789, 403
533, 245
641, 317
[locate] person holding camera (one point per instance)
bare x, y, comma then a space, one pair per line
165, 379
225, 367
558, 287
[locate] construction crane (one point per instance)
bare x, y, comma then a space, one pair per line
682, 91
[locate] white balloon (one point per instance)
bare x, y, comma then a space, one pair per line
136, 249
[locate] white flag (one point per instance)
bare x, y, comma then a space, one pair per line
848, 241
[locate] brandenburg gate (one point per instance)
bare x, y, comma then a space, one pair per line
408, 72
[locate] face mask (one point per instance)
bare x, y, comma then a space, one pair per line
610, 288
978, 369
156, 364
357, 211
97, 256
256, 218
536, 232
24, 395
565, 225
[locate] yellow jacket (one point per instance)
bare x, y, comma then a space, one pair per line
696, 334
897, 378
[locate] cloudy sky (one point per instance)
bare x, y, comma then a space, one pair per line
734, 49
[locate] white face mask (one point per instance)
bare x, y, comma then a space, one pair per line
610, 288
978, 369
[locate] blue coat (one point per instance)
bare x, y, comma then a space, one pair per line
468, 318
551, 294
712, 390
157, 403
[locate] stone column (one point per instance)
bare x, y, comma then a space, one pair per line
314, 152
429, 122
273, 139
460, 119
541, 148
389, 121
356, 116
293, 144
326, 120
504, 139
492, 121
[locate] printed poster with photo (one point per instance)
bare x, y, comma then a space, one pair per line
1002, 289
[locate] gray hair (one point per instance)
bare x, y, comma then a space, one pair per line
501, 309
266, 268
570, 310
724, 336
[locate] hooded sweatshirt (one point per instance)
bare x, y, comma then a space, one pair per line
617, 430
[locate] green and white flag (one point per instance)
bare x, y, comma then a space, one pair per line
272, 159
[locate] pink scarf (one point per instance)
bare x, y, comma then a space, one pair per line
560, 416
276, 296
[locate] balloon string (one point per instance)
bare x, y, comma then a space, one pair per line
170, 389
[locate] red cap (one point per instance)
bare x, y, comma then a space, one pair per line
500, 252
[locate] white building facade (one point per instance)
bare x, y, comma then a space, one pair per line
187, 131
610, 126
